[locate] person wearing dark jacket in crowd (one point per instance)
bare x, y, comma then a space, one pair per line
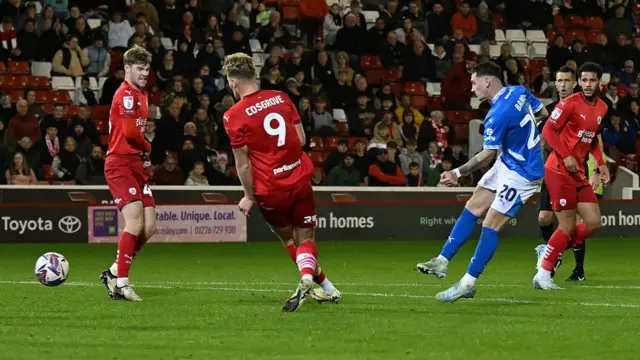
66, 163
414, 176
345, 174
83, 118
456, 86
110, 87
391, 15
274, 33
168, 173
351, 38
28, 41
418, 64
238, 44
392, 51
51, 145
336, 156
439, 25
620, 134
91, 172
557, 54
384, 172
219, 172
23, 124
56, 119
601, 54
376, 36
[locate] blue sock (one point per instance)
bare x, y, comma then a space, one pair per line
484, 251
459, 234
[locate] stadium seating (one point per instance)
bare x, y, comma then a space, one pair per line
331, 142
317, 143
62, 83
41, 69
317, 157
18, 68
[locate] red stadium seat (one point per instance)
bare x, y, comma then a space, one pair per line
434, 103
354, 140
342, 128
593, 22
318, 172
419, 102
317, 157
156, 98
460, 117
331, 143
397, 89
558, 22
498, 21
290, 14
461, 131
535, 67
392, 75
524, 64
375, 76
47, 108
38, 83
17, 94
289, 3
551, 35
71, 110
574, 34
116, 60
42, 96
19, 67
317, 143
3, 69
104, 139
415, 88
101, 112
60, 96
574, 21
592, 36
102, 126
370, 62
16, 82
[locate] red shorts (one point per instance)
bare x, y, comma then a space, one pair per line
566, 192
127, 181
294, 206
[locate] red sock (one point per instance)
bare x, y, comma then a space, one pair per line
139, 244
292, 250
555, 247
582, 233
306, 258
125, 253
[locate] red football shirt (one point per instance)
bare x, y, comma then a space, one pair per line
576, 123
127, 119
265, 122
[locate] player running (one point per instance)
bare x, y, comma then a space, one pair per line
571, 132
510, 126
127, 159
267, 136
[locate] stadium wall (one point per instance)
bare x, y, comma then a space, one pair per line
82, 214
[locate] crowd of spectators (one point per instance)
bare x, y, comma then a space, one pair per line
316, 57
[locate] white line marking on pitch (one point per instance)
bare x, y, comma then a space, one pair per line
413, 296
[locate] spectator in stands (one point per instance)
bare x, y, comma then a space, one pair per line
141, 32
24, 124
408, 129
389, 121
274, 81
418, 18
456, 86
376, 36
185, 63
177, 93
392, 51
624, 106
408, 34
431, 168
7, 141
336, 157
622, 51
505, 55
601, 54
84, 95
66, 163
221, 173
557, 54
170, 16
323, 69
441, 63
458, 158
633, 117
28, 41
465, 21
195, 92
411, 156
188, 155
213, 28
351, 38
263, 15
74, 14
356, 10
91, 171
405, 105
99, 57
110, 86
543, 83
342, 64
9, 49
199, 16
35, 109
332, 23
511, 72
384, 172
344, 174
149, 10
439, 26
56, 119
189, 31
312, 14
391, 15
166, 72
157, 147
274, 60
83, 117
19, 172
628, 73
385, 93
273, 33
168, 173
620, 135
207, 128
414, 176
618, 25
157, 51
45, 20
238, 44
611, 98
435, 130
323, 123
7, 108
51, 41
578, 53
70, 60
83, 143
83, 32
120, 31
196, 176
361, 117
484, 23
419, 64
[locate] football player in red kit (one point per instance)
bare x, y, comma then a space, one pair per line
267, 136
127, 159
572, 133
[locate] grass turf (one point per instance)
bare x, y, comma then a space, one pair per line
222, 301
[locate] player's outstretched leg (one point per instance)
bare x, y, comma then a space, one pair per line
306, 258
487, 246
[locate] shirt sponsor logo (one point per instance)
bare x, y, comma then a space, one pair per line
128, 102
586, 136
286, 168
254, 109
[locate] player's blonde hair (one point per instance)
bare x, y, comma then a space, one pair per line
239, 65
137, 55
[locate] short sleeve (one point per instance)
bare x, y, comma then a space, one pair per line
235, 129
494, 132
536, 104
126, 104
560, 115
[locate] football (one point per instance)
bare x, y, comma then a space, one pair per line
52, 269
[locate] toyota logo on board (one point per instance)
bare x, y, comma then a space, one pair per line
69, 224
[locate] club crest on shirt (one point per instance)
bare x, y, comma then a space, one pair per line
128, 102
599, 119
556, 114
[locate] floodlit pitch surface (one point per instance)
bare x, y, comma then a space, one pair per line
222, 301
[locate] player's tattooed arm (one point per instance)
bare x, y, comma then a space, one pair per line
243, 165
483, 157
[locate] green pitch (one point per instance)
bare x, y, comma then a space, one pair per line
222, 301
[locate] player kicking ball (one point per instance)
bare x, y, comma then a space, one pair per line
510, 126
571, 132
127, 159
267, 136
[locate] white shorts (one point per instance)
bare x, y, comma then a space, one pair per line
512, 190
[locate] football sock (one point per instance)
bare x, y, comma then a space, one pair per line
459, 234
318, 278
556, 246
306, 259
291, 250
125, 255
484, 252
579, 249
114, 267
547, 231
468, 280
139, 244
